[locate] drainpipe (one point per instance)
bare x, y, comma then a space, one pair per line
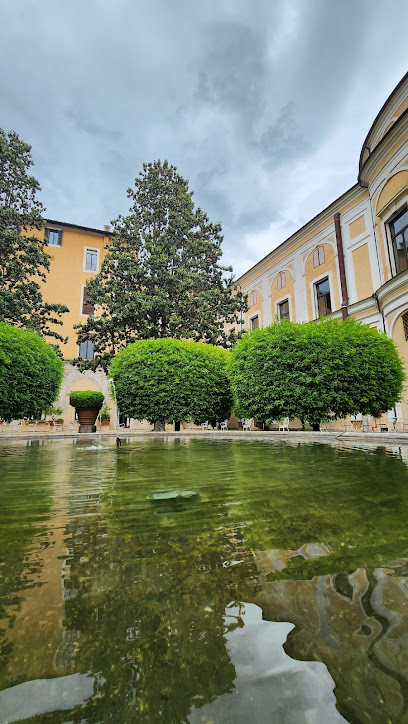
381, 311
342, 270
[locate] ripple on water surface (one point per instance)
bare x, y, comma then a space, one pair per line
116, 607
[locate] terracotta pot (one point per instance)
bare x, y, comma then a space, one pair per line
87, 415
105, 423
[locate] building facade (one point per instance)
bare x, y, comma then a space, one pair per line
352, 258
349, 260
76, 254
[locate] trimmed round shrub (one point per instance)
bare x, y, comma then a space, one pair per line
168, 379
315, 371
30, 373
86, 399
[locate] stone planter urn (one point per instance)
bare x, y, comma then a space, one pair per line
87, 404
87, 418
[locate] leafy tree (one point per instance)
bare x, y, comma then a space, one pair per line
166, 379
161, 276
30, 373
23, 260
315, 371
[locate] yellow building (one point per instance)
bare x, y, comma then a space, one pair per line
352, 258
76, 254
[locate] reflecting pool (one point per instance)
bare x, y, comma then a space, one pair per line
276, 592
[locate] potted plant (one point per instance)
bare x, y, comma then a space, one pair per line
87, 404
104, 416
52, 411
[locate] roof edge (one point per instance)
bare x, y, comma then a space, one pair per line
302, 228
384, 105
78, 226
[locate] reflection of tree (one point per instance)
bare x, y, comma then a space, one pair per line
143, 581
137, 578
25, 503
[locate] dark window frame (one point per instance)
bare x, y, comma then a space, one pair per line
252, 320
324, 297
401, 235
405, 324
49, 233
280, 305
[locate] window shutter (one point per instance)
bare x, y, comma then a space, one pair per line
316, 258
60, 238
321, 254
46, 233
86, 307
279, 284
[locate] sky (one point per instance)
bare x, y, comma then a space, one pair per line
263, 105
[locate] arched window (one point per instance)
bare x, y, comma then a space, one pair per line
253, 297
318, 256
281, 280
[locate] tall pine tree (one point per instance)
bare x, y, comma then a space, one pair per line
23, 260
161, 276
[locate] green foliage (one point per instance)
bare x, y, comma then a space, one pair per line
105, 413
161, 276
30, 373
315, 371
86, 399
52, 410
23, 260
166, 380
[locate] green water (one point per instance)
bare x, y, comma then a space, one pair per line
118, 608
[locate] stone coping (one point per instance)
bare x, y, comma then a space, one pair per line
392, 438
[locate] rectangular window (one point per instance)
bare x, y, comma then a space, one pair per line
323, 298
86, 307
86, 349
283, 310
91, 260
53, 237
399, 239
281, 283
254, 322
318, 256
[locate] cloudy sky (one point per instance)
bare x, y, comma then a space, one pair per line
262, 104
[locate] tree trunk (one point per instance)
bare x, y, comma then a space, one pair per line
176, 425
316, 426
158, 426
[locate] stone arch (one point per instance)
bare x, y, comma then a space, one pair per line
74, 380
391, 187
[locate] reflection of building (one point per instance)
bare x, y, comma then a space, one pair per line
350, 259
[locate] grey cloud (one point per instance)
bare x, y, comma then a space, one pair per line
242, 97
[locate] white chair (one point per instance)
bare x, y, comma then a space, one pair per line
206, 425
246, 425
224, 425
284, 425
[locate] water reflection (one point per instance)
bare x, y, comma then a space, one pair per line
96, 580
269, 685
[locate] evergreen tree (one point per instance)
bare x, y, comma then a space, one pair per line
161, 276
23, 260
